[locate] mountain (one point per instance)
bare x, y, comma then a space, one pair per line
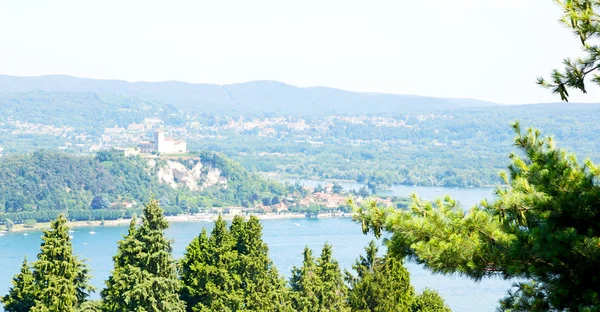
254, 97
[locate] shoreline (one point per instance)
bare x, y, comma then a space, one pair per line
172, 219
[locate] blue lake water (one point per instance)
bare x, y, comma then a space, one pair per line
286, 239
467, 196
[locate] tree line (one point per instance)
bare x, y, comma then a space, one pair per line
228, 270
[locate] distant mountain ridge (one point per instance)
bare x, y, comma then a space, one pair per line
241, 98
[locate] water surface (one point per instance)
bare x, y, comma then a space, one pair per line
286, 240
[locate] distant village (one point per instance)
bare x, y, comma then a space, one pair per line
142, 137
331, 203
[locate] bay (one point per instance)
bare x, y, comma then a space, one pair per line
286, 239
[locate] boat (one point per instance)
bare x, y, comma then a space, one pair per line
25, 234
297, 224
92, 232
438, 190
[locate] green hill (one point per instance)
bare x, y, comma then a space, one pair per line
44, 183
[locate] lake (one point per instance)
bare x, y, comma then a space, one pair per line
467, 196
286, 239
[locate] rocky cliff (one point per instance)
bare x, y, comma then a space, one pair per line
189, 173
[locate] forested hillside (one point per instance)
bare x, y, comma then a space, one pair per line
44, 183
376, 139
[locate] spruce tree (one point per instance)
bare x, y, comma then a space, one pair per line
121, 282
305, 284
381, 284
193, 271
144, 277
20, 297
430, 301
210, 283
262, 287
60, 279
231, 271
334, 291
318, 285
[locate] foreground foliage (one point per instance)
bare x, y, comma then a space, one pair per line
544, 227
581, 16
231, 271
58, 282
144, 277
383, 284
318, 285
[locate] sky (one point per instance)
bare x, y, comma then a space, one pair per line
484, 49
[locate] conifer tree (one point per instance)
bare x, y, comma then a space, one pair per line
543, 227
20, 297
121, 282
334, 293
193, 271
381, 284
231, 271
305, 284
206, 270
144, 277
263, 289
60, 279
90, 306
318, 285
429, 301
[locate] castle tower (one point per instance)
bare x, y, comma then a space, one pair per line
159, 141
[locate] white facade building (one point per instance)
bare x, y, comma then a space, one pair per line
165, 145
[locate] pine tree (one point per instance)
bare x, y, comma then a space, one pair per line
381, 284
207, 272
20, 297
90, 306
543, 227
582, 17
429, 301
305, 284
263, 289
122, 281
334, 291
144, 277
231, 271
318, 286
193, 271
60, 279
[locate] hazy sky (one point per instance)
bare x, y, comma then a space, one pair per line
486, 49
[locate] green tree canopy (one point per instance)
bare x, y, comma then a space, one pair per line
581, 16
544, 227
231, 271
60, 279
144, 276
318, 285
429, 301
20, 297
381, 284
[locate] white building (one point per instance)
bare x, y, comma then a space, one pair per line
168, 145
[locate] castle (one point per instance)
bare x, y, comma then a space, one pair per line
168, 145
